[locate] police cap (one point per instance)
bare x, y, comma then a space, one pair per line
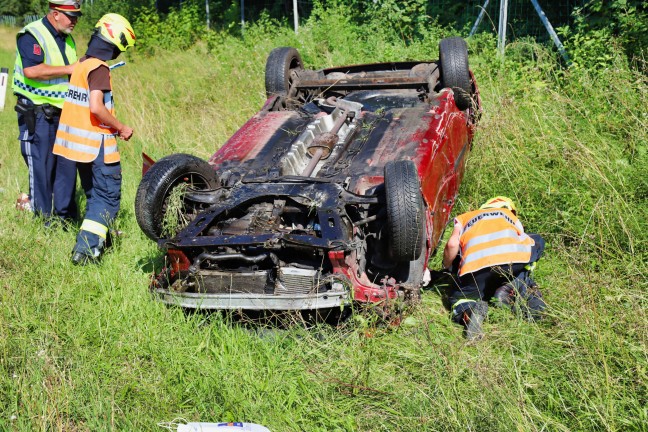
68, 7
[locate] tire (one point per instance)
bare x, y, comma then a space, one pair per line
405, 210
158, 183
455, 73
281, 62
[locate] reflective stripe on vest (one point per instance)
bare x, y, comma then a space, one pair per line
80, 134
492, 237
50, 91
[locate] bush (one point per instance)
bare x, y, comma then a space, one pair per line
179, 29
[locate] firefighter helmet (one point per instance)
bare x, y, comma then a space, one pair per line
500, 202
116, 29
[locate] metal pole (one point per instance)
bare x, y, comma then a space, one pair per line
242, 16
295, 15
552, 33
501, 31
480, 17
207, 12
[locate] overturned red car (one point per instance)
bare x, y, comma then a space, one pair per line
336, 192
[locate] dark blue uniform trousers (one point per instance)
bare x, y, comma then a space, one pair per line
102, 185
481, 285
42, 165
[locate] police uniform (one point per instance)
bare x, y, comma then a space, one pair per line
39, 104
495, 252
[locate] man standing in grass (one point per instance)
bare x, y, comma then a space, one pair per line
45, 59
86, 134
492, 258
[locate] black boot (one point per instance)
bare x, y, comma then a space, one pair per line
504, 296
535, 305
473, 320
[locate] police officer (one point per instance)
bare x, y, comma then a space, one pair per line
492, 257
45, 58
87, 131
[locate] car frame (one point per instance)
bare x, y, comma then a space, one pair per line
337, 191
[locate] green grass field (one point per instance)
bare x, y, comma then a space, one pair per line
86, 349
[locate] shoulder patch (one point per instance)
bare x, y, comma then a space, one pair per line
37, 50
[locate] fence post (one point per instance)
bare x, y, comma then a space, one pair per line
295, 16
207, 12
480, 17
501, 31
242, 16
550, 30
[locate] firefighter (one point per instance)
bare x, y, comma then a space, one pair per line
492, 258
88, 130
45, 59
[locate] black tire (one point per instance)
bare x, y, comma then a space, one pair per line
455, 73
158, 183
281, 62
405, 210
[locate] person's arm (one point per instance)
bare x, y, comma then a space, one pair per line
45, 72
33, 58
452, 247
99, 110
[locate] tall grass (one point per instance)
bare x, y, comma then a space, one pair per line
87, 348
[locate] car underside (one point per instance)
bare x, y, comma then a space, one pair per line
337, 191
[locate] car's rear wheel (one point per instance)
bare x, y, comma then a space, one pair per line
155, 199
281, 63
455, 73
405, 210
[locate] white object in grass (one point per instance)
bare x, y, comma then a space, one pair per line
4, 78
222, 427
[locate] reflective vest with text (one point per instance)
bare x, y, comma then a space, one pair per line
492, 237
80, 134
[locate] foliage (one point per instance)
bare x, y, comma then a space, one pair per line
598, 22
21, 7
179, 29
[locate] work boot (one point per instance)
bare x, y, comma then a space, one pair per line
535, 305
473, 320
81, 258
504, 296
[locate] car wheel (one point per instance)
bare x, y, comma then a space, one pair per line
279, 66
405, 210
153, 194
453, 60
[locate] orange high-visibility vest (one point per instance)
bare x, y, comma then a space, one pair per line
80, 134
491, 237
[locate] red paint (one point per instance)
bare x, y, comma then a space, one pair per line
178, 261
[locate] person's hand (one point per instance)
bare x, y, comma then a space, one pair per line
70, 68
126, 132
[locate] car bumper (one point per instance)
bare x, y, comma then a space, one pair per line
335, 297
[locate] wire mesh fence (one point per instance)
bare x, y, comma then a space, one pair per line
8, 20
522, 17
461, 15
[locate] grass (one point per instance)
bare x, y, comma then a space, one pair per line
86, 349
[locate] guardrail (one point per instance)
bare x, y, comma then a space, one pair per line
12, 21
31, 18
8, 20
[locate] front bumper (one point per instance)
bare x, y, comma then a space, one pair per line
336, 297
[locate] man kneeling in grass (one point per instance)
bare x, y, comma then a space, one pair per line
87, 131
492, 258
